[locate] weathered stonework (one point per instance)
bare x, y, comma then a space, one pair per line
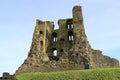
66, 48
7, 76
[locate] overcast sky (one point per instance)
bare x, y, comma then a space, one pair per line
18, 18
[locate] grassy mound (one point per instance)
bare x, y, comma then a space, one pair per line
91, 74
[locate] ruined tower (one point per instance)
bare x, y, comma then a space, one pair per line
66, 48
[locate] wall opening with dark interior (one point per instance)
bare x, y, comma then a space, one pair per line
87, 66
61, 50
54, 55
54, 35
69, 24
41, 45
54, 52
70, 36
41, 32
62, 39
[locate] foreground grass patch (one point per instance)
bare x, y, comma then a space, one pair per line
91, 74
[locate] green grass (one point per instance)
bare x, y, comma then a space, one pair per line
91, 74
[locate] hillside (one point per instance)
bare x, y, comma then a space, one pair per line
91, 74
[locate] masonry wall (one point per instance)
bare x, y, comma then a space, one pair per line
102, 61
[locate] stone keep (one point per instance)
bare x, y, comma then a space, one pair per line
66, 48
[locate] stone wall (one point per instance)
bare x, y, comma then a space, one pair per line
102, 61
7, 76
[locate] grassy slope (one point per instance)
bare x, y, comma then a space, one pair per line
92, 74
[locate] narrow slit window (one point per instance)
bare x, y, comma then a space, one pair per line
41, 43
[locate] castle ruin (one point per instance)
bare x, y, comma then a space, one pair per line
66, 48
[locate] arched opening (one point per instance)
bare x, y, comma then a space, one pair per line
54, 55
70, 36
69, 24
54, 52
54, 35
